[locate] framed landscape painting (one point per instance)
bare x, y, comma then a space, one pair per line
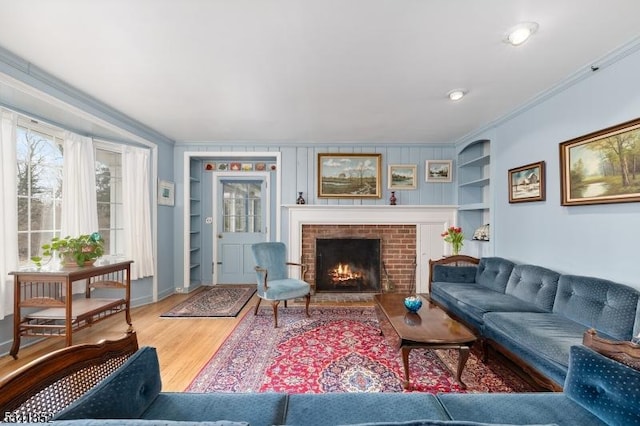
527, 183
438, 171
402, 176
602, 167
349, 175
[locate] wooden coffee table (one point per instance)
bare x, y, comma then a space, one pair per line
429, 328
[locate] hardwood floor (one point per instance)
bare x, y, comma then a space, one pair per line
184, 345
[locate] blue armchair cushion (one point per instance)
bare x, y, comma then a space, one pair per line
284, 289
273, 257
596, 303
605, 387
124, 394
494, 272
534, 284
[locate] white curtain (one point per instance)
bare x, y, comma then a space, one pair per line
9, 209
136, 207
79, 212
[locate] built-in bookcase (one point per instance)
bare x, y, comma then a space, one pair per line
474, 194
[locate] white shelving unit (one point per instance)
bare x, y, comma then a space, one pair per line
474, 194
195, 223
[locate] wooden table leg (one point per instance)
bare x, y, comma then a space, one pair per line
462, 360
405, 363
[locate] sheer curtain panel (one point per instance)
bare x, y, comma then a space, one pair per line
136, 206
9, 210
79, 212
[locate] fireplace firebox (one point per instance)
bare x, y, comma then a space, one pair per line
348, 265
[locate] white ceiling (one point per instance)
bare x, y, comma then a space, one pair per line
322, 71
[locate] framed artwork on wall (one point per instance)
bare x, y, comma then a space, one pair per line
527, 183
402, 176
602, 167
166, 193
438, 171
349, 175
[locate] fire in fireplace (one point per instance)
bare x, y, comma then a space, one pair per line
348, 264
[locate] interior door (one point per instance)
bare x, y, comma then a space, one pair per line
241, 222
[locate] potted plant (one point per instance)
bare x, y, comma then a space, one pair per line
82, 250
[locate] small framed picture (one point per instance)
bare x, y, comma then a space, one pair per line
349, 175
527, 183
438, 171
402, 176
166, 193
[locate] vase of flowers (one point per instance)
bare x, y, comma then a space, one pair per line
454, 236
82, 250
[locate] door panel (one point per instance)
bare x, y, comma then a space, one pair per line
241, 222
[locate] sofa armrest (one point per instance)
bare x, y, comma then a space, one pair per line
453, 269
124, 394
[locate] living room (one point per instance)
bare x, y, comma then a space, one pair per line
596, 92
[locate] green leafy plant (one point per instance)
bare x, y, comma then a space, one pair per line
80, 249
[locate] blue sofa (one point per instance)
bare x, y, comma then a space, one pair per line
532, 314
593, 395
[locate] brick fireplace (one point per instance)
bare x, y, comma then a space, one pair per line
410, 236
397, 251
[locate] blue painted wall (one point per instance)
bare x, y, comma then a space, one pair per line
596, 240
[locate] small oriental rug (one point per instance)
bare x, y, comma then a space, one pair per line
214, 301
338, 349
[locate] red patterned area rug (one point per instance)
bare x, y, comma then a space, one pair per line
214, 301
338, 349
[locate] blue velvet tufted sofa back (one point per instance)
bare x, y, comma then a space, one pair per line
609, 307
534, 284
494, 272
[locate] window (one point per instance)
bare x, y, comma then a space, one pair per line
242, 207
39, 150
109, 197
39, 169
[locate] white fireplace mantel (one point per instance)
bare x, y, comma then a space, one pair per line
430, 222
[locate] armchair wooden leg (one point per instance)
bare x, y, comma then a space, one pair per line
306, 303
255, 311
275, 312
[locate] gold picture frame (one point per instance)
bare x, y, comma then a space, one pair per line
402, 176
601, 167
349, 175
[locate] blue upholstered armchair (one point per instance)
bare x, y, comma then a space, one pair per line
274, 283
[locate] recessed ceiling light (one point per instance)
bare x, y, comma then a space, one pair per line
520, 33
457, 94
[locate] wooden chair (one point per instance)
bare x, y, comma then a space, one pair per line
273, 279
47, 385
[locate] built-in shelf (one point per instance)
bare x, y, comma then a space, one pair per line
195, 213
474, 192
477, 182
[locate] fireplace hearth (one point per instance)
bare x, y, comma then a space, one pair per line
348, 265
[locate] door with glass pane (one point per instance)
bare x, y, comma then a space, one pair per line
241, 220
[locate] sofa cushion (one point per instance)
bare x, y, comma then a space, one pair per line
124, 394
518, 408
542, 340
443, 423
346, 408
254, 408
470, 302
608, 307
605, 387
534, 284
454, 274
494, 272
139, 422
